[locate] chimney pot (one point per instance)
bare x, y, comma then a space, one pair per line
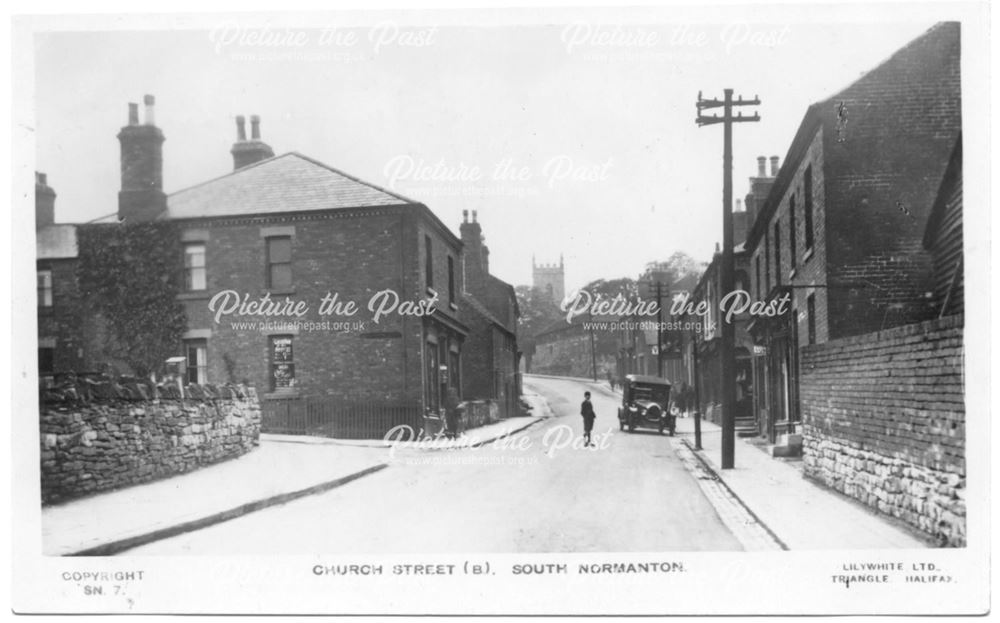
465, 216
774, 166
41, 178
474, 216
150, 103
247, 152
761, 166
141, 197
739, 205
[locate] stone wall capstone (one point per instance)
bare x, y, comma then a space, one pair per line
884, 423
98, 445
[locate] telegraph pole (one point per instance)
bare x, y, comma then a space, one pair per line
659, 329
593, 348
727, 278
659, 287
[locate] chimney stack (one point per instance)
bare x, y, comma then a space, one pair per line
141, 197
751, 208
774, 166
45, 202
761, 166
246, 152
474, 255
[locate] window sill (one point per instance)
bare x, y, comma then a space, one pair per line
453, 307
195, 295
281, 291
808, 254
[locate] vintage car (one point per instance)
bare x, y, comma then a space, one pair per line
646, 404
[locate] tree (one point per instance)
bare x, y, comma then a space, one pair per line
677, 267
608, 289
538, 311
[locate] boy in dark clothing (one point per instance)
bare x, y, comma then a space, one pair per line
587, 411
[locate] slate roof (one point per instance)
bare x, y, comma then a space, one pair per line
893, 126
477, 306
290, 182
55, 242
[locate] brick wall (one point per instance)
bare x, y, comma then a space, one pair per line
883, 171
352, 254
88, 447
566, 352
884, 422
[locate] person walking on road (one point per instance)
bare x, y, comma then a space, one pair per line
587, 411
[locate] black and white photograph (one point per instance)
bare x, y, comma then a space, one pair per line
642, 310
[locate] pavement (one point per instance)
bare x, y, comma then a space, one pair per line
282, 469
799, 513
763, 503
538, 491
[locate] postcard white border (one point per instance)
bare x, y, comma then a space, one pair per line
712, 583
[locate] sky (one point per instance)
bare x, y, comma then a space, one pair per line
567, 136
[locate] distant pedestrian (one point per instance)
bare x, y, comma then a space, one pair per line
682, 399
611, 380
587, 411
690, 400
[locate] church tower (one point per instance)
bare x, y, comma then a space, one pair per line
550, 279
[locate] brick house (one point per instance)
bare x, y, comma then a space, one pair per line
708, 340
637, 335
841, 230
60, 329
288, 227
492, 361
570, 349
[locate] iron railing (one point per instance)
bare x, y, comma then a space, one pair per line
330, 417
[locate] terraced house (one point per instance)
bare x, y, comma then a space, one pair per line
289, 228
842, 226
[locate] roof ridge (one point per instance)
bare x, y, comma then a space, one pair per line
301, 156
231, 173
355, 178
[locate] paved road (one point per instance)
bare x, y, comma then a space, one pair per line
629, 493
